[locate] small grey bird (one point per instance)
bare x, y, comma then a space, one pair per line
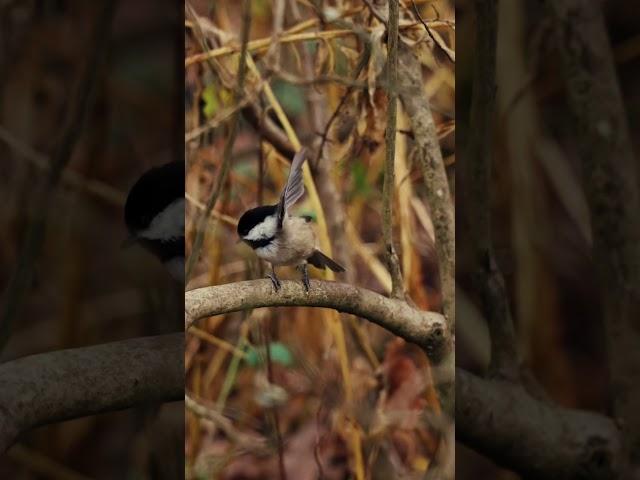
281, 238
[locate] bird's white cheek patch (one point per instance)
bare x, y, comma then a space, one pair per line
266, 229
168, 224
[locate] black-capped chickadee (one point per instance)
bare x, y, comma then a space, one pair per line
281, 238
154, 215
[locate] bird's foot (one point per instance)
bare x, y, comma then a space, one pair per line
274, 281
305, 276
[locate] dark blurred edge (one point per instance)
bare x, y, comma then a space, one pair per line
85, 291
543, 223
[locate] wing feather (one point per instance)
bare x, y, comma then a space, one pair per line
294, 189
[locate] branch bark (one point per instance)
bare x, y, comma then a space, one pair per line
52, 387
538, 440
610, 177
416, 104
393, 264
426, 329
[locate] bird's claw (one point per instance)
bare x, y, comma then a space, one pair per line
274, 281
305, 277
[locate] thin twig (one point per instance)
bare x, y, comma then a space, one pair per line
376, 13
273, 412
318, 80
252, 443
397, 285
264, 43
15, 292
228, 148
278, 23
362, 63
96, 188
451, 55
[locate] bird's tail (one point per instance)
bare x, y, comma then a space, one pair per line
320, 260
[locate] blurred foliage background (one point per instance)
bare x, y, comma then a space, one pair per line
328, 399
541, 228
87, 290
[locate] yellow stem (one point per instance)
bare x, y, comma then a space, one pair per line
335, 324
264, 43
218, 342
291, 36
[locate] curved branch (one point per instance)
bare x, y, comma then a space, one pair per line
538, 440
52, 387
426, 329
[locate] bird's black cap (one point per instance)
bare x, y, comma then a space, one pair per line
253, 217
152, 193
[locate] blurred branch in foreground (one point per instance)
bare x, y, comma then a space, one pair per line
57, 386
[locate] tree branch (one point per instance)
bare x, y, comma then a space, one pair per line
538, 440
426, 329
52, 387
488, 279
393, 264
416, 104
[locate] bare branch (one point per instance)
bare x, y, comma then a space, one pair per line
250, 442
451, 55
52, 387
426, 329
393, 264
271, 131
487, 278
501, 420
71, 178
379, 15
416, 104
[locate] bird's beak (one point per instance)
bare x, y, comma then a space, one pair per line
128, 242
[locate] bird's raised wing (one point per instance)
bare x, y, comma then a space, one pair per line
294, 189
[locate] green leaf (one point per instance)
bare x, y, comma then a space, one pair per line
279, 354
210, 99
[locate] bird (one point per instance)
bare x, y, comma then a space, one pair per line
279, 237
154, 215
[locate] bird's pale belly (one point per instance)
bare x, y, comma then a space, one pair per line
294, 245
